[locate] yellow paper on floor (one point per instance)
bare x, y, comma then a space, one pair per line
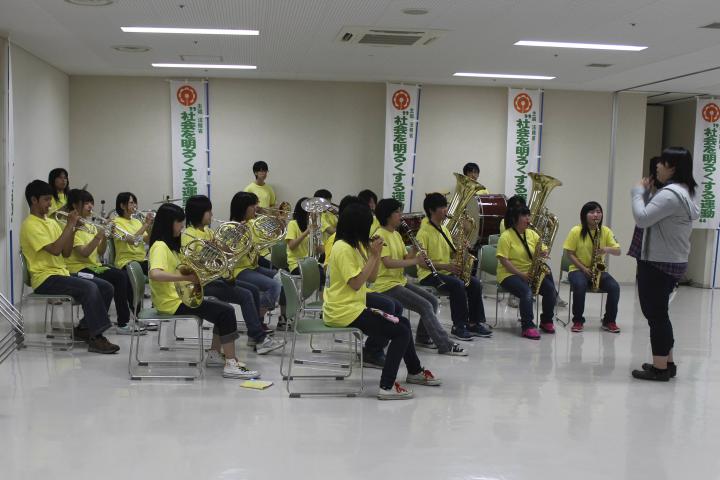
256, 384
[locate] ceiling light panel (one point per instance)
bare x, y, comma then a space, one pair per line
502, 75
588, 46
192, 31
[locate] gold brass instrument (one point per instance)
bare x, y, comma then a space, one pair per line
314, 206
421, 252
231, 238
597, 264
460, 222
544, 223
207, 261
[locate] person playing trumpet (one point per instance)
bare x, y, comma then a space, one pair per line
579, 247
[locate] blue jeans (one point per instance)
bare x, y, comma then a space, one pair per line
94, 295
466, 303
231, 293
263, 278
580, 284
520, 288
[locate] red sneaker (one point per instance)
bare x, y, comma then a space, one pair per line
531, 333
547, 327
577, 327
611, 327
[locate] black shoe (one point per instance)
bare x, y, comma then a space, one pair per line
373, 360
654, 374
672, 368
101, 344
480, 330
81, 334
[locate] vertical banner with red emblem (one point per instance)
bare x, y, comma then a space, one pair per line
524, 129
188, 124
705, 166
401, 128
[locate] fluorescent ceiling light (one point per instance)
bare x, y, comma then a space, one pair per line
590, 46
502, 75
197, 31
204, 65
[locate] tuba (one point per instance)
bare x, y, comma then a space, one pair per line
597, 265
460, 223
544, 223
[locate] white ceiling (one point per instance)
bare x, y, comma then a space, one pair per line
297, 40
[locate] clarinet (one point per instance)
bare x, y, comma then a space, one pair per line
421, 252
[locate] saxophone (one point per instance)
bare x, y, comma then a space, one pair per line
544, 223
597, 265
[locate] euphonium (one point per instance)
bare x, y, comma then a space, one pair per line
544, 223
206, 260
459, 222
314, 207
597, 265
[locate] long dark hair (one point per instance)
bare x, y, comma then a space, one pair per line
165, 218
589, 207
681, 159
77, 195
512, 204
241, 201
195, 209
55, 173
300, 215
123, 197
354, 225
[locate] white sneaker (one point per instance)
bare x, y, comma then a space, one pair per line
233, 369
128, 330
425, 377
214, 359
396, 392
268, 345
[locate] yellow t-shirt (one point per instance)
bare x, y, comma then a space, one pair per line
75, 262
583, 247
435, 246
342, 304
164, 295
502, 226
265, 194
294, 232
250, 259
124, 251
511, 247
35, 234
56, 205
394, 248
375, 225
192, 233
328, 247
327, 219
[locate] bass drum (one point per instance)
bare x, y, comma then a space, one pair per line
492, 210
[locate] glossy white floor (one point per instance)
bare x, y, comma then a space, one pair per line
562, 407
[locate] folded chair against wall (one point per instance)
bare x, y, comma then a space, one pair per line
305, 325
134, 357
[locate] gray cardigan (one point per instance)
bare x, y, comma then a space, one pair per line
667, 219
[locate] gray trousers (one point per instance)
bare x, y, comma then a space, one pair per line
425, 304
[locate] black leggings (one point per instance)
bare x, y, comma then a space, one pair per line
654, 289
220, 314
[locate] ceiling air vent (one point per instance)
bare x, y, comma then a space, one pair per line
387, 37
715, 25
599, 65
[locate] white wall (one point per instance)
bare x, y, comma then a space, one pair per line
331, 134
40, 123
4, 192
653, 133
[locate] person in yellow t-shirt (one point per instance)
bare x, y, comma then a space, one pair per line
472, 170
579, 248
466, 305
354, 261
369, 198
515, 252
328, 219
44, 245
264, 192
391, 281
59, 182
164, 259
89, 244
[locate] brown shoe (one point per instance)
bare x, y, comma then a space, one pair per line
101, 344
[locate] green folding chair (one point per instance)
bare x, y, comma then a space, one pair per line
137, 282
308, 326
278, 256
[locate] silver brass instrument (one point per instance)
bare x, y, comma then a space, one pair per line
544, 223
421, 252
143, 215
460, 222
597, 264
314, 206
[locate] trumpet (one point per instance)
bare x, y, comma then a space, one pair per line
142, 215
84, 224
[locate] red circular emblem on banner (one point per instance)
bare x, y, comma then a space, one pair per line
711, 113
522, 103
186, 95
401, 99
